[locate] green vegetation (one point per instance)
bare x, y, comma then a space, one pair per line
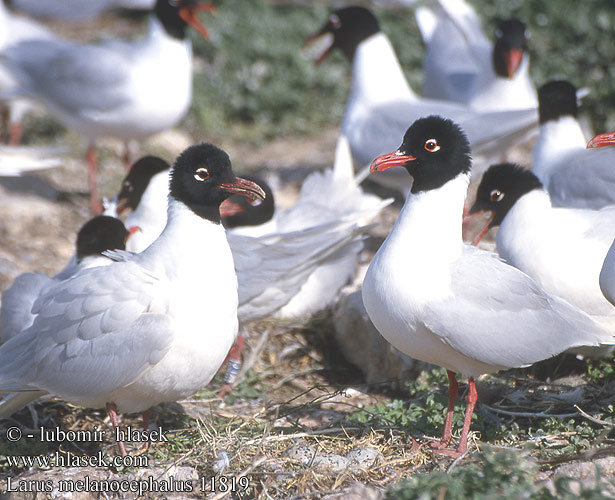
501, 475
253, 79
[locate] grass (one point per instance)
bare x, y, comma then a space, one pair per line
253, 82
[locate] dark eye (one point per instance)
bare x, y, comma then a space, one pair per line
201, 174
431, 145
496, 195
334, 21
128, 187
498, 33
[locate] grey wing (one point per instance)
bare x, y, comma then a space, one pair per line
585, 180
272, 269
76, 78
17, 301
504, 318
92, 334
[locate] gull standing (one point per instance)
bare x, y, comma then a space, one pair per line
152, 328
117, 88
444, 302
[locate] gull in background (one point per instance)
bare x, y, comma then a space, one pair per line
381, 103
117, 88
574, 175
461, 64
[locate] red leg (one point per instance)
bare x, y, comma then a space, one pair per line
471, 399
112, 411
233, 367
146, 417
15, 133
127, 157
453, 390
93, 180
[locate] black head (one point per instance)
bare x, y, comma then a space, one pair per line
176, 15
511, 37
239, 211
349, 27
434, 151
137, 180
500, 188
99, 234
202, 178
557, 98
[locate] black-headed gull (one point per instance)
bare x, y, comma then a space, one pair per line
307, 253
381, 103
442, 301
573, 175
154, 327
563, 249
462, 65
96, 236
124, 89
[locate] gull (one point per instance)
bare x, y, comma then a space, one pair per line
381, 103
607, 273
573, 175
15, 29
96, 236
461, 64
308, 254
154, 327
129, 89
563, 249
444, 302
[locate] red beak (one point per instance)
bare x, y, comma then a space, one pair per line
229, 208
601, 140
312, 38
190, 15
513, 60
390, 160
131, 230
244, 187
469, 216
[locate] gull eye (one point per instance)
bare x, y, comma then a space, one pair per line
334, 21
201, 174
496, 195
431, 145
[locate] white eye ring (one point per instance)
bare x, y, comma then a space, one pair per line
431, 145
496, 195
335, 21
201, 174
